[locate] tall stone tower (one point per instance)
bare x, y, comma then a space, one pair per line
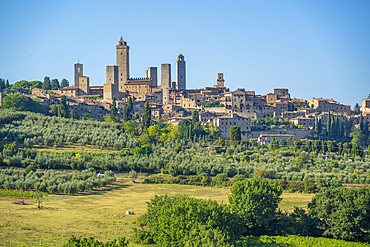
166, 75
110, 88
180, 73
78, 73
220, 79
123, 63
152, 73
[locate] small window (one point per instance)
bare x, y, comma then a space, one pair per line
121, 52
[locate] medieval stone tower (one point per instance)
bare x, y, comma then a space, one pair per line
123, 63
165, 75
220, 79
180, 73
111, 86
152, 73
78, 73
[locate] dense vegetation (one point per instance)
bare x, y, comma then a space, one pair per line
337, 213
91, 241
54, 182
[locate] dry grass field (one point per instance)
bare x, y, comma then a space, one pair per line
100, 213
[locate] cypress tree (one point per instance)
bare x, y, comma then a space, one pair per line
147, 117
366, 132
113, 110
130, 108
316, 126
361, 123
320, 126
328, 124
7, 84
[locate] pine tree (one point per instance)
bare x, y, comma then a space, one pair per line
54, 84
46, 84
146, 118
64, 83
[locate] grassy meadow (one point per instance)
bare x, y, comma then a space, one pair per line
100, 213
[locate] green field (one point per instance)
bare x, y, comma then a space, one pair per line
101, 213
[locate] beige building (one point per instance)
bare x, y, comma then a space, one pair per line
224, 123
365, 107
324, 105
303, 121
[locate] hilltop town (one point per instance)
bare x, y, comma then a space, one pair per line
173, 101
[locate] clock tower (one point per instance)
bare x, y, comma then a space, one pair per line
78, 73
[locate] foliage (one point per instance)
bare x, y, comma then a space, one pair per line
345, 213
184, 221
146, 118
91, 241
54, 182
295, 241
215, 103
255, 201
20, 102
21, 194
235, 134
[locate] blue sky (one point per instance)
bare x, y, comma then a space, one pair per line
314, 48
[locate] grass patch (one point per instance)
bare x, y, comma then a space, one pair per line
101, 213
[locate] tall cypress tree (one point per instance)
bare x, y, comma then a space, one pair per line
147, 117
316, 126
130, 108
361, 123
328, 124
320, 126
114, 111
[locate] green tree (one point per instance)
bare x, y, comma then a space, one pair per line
21, 102
63, 108
114, 111
125, 116
255, 201
356, 108
64, 83
328, 124
235, 134
2, 84
133, 175
130, 108
146, 118
345, 212
358, 137
183, 221
7, 85
74, 115
54, 84
46, 84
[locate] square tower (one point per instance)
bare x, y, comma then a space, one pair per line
84, 84
152, 73
110, 88
166, 75
78, 73
123, 63
220, 79
180, 73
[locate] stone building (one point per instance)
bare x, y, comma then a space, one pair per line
78, 71
220, 80
324, 105
110, 88
123, 63
180, 73
224, 123
84, 85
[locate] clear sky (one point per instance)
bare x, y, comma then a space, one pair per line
314, 48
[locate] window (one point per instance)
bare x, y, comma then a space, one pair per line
121, 44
